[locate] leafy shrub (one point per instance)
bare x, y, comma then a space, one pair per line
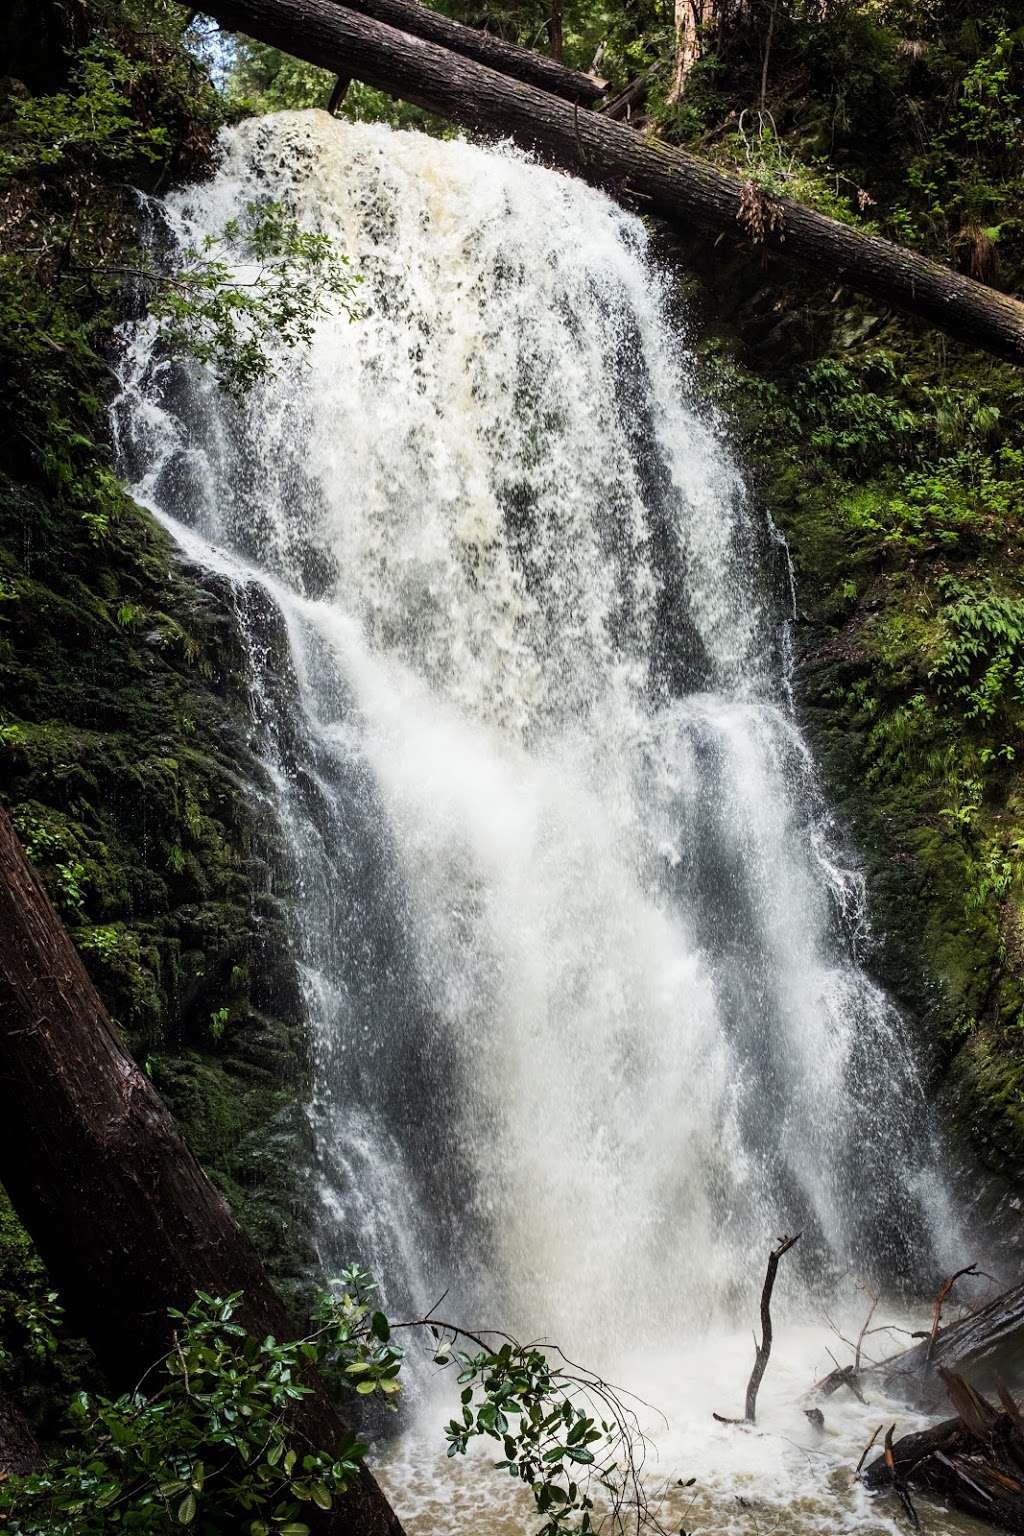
205, 1443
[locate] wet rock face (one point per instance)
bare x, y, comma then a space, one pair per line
129, 770
951, 958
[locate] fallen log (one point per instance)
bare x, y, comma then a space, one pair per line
671, 182
123, 1217
987, 1341
974, 1461
542, 70
621, 105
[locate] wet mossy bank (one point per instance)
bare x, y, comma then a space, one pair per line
893, 465
129, 771
128, 747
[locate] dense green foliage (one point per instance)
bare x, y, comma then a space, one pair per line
202, 1442
125, 758
205, 1442
257, 287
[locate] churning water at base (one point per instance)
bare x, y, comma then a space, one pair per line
579, 956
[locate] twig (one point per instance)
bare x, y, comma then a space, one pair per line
944, 1290
184, 1364
873, 1297
864, 1452
767, 52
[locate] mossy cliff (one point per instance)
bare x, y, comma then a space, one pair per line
126, 744
897, 481
894, 463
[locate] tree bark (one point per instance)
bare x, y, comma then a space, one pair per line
689, 16
989, 1340
547, 73
18, 1449
124, 1218
556, 31
669, 181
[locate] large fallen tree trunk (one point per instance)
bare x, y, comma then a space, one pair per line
124, 1218
974, 1461
669, 181
519, 63
988, 1342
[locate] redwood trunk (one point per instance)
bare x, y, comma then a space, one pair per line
669, 181
124, 1218
548, 73
688, 18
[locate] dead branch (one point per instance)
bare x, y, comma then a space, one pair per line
944, 1290
974, 1461
864, 1452
338, 94
762, 1350
873, 1298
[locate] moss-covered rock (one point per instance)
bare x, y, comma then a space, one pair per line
126, 763
127, 758
897, 477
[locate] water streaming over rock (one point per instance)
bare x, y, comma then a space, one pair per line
579, 953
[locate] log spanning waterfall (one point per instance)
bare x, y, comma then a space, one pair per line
579, 951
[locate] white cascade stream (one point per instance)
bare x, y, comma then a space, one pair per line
579, 951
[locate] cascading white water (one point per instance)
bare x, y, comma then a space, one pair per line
579, 956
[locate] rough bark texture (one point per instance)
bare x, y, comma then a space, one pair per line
18, 1449
668, 181
124, 1218
988, 1340
549, 74
974, 1461
689, 17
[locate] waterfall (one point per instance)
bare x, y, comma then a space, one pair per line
578, 942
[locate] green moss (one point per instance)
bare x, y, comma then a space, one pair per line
901, 494
125, 754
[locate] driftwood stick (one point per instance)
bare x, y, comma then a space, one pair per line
764, 1349
944, 1290
899, 1481
867, 1448
873, 1298
338, 94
